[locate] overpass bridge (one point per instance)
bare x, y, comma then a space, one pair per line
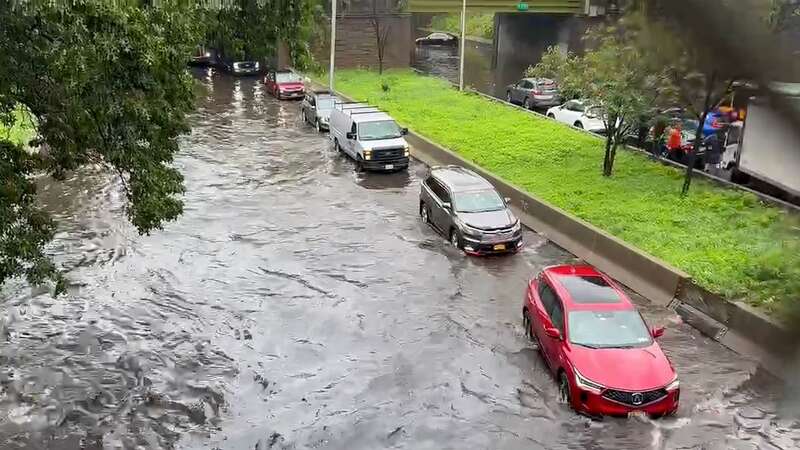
501, 6
523, 29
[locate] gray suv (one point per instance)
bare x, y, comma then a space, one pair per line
468, 210
534, 93
316, 109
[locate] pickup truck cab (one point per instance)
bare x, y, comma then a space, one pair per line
369, 136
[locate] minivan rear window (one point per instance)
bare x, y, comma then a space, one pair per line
589, 289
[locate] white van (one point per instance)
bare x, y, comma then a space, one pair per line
369, 136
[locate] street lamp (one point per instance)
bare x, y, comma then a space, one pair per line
461, 56
333, 44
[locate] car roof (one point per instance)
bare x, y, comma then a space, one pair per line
540, 80
582, 287
372, 116
460, 179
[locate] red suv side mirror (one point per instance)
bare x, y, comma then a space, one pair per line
553, 333
657, 332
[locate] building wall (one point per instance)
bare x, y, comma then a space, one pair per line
356, 45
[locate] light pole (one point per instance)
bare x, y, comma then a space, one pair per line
461, 55
333, 44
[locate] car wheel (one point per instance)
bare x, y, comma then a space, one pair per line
424, 213
578, 125
318, 125
527, 103
564, 392
455, 239
337, 146
508, 97
359, 164
552, 116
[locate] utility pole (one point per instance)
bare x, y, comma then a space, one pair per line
461, 56
333, 45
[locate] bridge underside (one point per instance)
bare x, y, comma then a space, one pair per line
498, 6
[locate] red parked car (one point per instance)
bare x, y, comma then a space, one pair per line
596, 343
284, 84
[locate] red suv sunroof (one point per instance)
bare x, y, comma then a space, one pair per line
589, 289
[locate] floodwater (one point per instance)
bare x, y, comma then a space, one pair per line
297, 304
442, 61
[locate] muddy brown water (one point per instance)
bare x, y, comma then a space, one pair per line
297, 304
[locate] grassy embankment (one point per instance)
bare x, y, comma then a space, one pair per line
478, 24
727, 240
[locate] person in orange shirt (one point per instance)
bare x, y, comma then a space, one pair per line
674, 150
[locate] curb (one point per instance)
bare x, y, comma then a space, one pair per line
733, 324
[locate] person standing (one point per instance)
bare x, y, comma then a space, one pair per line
713, 146
674, 149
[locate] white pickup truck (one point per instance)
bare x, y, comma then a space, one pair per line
369, 136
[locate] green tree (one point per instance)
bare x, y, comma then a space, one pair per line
252, 29
107, 85
614, 77
782, 13
697, 77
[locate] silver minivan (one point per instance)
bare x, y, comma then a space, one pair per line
467, 209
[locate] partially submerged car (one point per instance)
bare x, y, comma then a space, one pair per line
242, 67
438, 38
597, 345
202, 57
284, 85
370, 136
467, 209
316, 108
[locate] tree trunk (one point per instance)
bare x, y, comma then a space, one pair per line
698, 139
607, 161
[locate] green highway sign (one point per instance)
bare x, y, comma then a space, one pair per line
522, 6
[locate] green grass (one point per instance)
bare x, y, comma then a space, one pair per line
478, 24
21, 131
727, 240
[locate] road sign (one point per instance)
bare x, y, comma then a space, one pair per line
522, 6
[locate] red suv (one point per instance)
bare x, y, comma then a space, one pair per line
284, 84
596, 343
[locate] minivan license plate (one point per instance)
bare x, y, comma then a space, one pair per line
389, 166
500, 247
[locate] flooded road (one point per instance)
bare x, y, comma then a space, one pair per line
297, 304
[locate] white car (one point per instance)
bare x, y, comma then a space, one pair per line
579, 114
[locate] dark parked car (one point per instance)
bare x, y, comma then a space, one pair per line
534, 93
468, 210
316, 109
438, 39
241, 67
202, 57
285, 85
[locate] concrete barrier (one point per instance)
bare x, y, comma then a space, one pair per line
646, 275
